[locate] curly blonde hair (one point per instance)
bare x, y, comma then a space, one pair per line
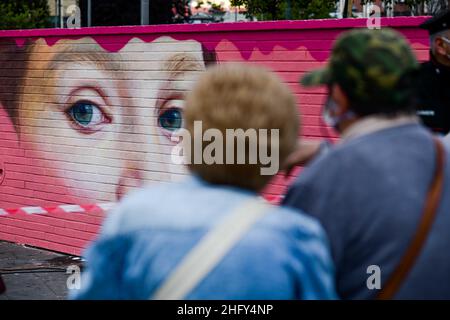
240, 96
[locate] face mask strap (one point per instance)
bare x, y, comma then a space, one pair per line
447, 41
334, 121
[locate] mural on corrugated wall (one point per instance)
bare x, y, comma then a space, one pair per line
84, 118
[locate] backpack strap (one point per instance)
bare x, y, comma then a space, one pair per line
432, 202
210, 250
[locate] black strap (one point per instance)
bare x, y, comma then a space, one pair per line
2, 285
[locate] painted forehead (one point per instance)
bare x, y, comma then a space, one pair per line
164, 53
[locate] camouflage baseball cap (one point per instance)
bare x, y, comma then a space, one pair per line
366, 64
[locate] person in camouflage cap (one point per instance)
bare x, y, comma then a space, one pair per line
374, 68
369, 190
369, 72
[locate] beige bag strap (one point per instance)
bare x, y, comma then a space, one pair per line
210, 250
430, 209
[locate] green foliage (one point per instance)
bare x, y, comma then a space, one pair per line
24, 14
262, 9
216, 7
318, 9
295, 9
312, 9
392, 2
199, 4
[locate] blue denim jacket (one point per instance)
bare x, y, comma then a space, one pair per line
285, 255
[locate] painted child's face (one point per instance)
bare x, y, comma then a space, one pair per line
95, 123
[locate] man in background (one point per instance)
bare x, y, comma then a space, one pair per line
434, 78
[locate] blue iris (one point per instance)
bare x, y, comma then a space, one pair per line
171, 119
82, 112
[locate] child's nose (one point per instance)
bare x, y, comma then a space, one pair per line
130, 178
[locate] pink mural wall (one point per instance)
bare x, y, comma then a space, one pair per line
86, 115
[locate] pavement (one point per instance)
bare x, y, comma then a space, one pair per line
34, 274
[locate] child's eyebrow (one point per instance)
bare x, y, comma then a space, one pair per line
180, 63
102, 60
176, 65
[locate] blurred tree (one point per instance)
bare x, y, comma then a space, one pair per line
112, 13
199, 4
262, 9
312, 9
24, 14
418, 6
216, 7
160, 12
181, 11
296, 9
125, 12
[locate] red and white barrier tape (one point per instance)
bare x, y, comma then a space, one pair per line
64, 208
75, 208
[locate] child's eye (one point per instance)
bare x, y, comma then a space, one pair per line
171, 119
86, 114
